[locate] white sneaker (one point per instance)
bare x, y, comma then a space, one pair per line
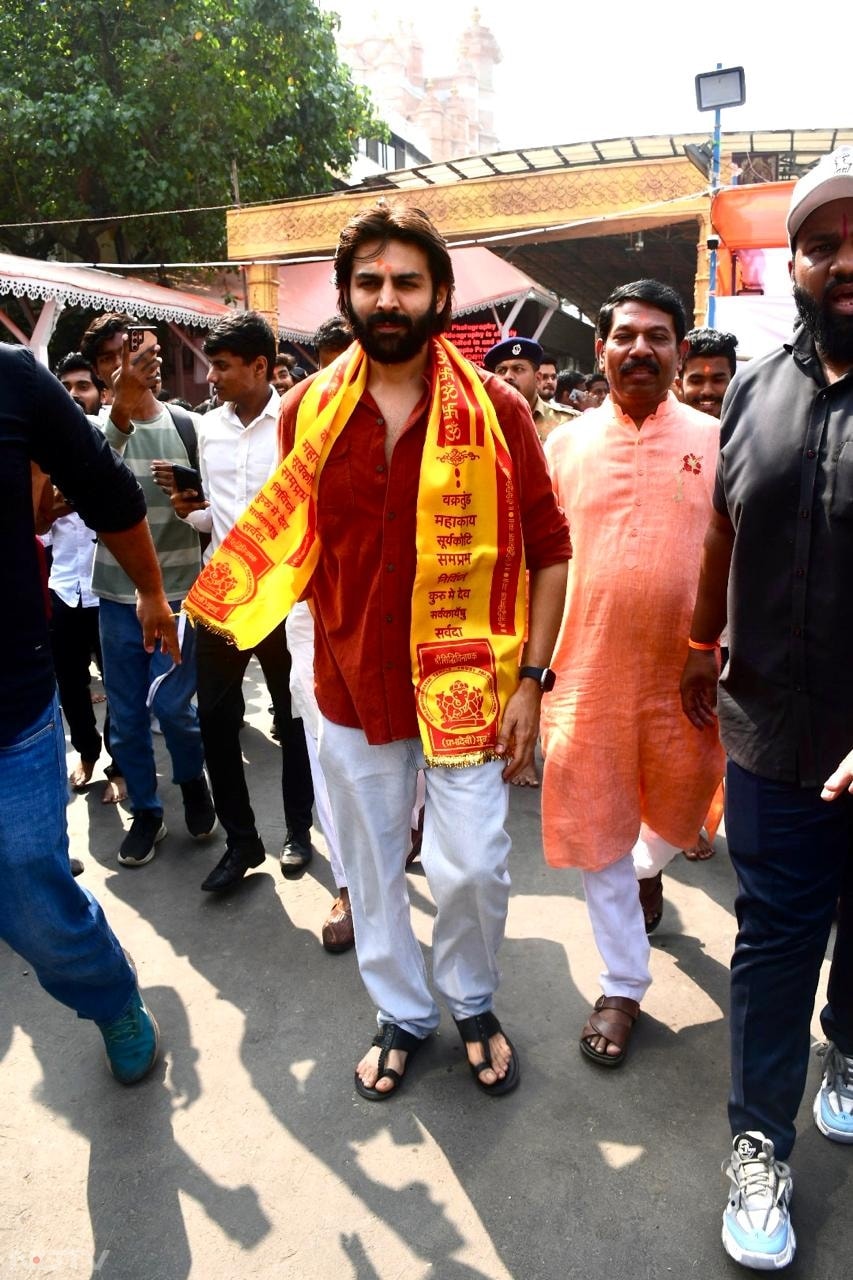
833, 1106
757, 1229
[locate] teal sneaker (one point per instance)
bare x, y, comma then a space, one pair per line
132, 1042
757, 1229
833, 1106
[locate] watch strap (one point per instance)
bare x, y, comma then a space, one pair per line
543, 676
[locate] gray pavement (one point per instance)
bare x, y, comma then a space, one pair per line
247, 1153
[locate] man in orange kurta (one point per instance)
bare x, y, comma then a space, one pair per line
628, 779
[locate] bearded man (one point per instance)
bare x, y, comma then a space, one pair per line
777, 565
412, 495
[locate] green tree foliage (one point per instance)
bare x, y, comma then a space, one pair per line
113, 107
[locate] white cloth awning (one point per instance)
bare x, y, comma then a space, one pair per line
73, 285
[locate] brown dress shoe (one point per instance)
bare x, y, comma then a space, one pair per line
651, 900
337, 931
417, 840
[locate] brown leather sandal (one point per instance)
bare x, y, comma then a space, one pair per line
612, 1017
701, 851
651, 900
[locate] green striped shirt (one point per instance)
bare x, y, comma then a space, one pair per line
175, 541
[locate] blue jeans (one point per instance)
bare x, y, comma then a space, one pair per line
129, 675
46, 917
793, 855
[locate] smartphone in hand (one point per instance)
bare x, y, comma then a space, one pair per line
187, 478
140, 336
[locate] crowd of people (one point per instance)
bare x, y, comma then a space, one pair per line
659, 590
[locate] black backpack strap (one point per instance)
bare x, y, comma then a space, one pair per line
185, 428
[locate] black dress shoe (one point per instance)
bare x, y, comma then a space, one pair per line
232, 867
296, 853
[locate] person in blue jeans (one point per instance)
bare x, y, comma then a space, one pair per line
139, 684
777, 565
57, 926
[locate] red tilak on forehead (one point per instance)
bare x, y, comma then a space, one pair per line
844, 225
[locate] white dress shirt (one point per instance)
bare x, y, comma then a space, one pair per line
73, 557
74, 546
235, 462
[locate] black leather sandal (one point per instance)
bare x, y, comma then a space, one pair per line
390, 1037
478, 1030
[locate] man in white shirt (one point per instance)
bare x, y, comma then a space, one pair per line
74, 606
238, 451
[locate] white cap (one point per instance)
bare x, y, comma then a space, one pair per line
830, 179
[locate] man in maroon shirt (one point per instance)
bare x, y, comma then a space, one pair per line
395, 280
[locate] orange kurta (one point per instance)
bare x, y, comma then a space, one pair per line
618, 748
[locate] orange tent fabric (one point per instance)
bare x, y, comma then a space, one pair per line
753, 216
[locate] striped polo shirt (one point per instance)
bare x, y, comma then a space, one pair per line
175, 541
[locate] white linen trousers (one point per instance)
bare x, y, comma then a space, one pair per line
464, 855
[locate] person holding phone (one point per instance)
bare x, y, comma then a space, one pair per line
237, 454
186, 480
139, 684
74, 633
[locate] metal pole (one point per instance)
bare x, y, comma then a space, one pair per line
715, 186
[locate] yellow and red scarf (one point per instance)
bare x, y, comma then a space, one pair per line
467, 606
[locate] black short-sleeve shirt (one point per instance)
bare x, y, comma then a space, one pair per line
39, 422
785, 478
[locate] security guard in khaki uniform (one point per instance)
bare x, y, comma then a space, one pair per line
516, 361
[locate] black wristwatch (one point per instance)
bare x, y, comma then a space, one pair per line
544, 677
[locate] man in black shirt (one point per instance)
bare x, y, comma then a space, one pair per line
782, 538
55, 925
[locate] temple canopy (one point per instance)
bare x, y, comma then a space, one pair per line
64, 284
307, 293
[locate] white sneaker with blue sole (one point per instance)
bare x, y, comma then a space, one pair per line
757, 1230
833, 1106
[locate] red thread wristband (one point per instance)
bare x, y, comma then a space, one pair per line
702, 647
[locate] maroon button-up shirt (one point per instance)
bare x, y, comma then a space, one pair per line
362, 586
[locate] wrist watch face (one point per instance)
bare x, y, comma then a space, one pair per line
544, 676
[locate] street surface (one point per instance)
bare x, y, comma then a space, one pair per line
247, 1154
